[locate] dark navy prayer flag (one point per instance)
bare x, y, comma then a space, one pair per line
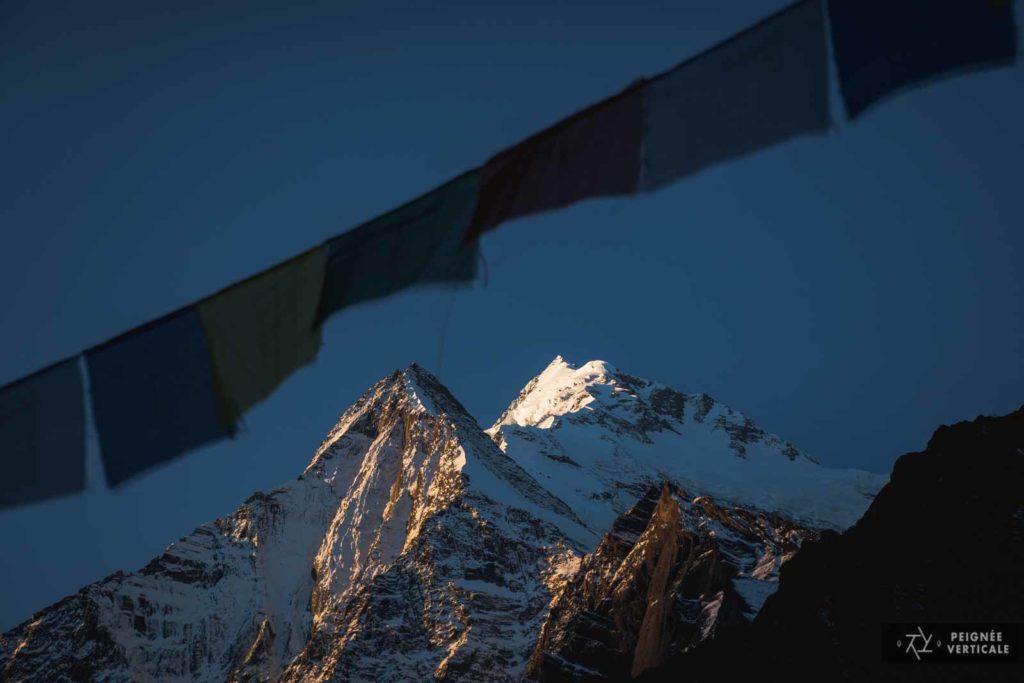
594, 153
153, 395
418, 243
884, 45
763, 86
42, 435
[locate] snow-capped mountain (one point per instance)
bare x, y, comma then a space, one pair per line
595, 435
416, 546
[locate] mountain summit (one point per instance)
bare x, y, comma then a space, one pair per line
416, 546
597, 435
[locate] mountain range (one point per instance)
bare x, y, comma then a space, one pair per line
606, 527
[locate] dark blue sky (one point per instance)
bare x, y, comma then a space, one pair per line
848, 292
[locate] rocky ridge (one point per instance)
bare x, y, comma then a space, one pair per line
415, 546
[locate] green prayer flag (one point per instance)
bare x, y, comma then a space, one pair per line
420, 243
263, 329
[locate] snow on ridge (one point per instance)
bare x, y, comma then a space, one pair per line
560, 388
417, 386
486, 471
589, 437
594, 434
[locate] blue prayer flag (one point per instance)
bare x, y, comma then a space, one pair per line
42, 435
763, 86
153, 395
883, 45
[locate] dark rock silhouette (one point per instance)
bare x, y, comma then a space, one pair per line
942, 542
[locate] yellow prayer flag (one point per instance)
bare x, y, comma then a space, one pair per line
263, 329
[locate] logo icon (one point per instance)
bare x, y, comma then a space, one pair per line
918, 643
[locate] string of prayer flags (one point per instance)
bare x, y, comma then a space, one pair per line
153, 394
42, 435
418, 243
763, 86
594, 153
263, 329
186, 379
883, 45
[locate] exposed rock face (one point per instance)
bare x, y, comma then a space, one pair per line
669, 574
410, 548
433, 564
413, 547
942, 542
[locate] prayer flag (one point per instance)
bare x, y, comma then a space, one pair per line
42, 435
153, 395
264, 328
765, 85
420, 242
883, 45
594, 153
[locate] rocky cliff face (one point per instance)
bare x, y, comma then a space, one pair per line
599, 515
669, 575
942, 542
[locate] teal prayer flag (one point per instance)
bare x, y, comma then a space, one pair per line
42, 435
418, 243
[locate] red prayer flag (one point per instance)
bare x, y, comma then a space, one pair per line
593, 153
